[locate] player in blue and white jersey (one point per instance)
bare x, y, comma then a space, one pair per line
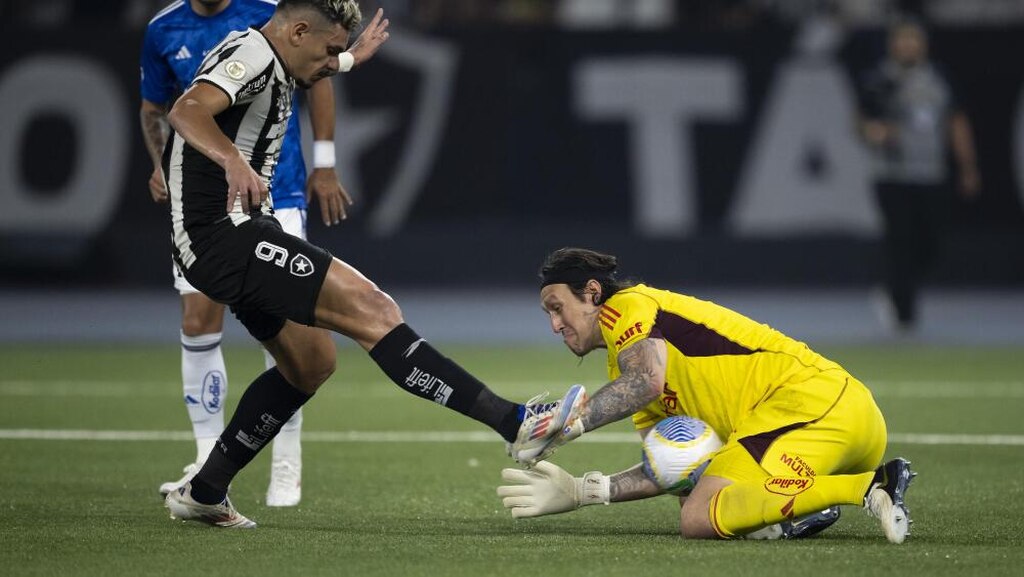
177, 40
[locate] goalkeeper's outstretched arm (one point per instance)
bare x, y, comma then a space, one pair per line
548, 489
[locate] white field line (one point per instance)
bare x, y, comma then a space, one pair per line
446, 437
881, 389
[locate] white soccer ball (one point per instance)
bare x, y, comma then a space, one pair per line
677, 451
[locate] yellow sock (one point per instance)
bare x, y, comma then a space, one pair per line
749, 505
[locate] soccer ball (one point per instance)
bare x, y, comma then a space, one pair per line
677, 451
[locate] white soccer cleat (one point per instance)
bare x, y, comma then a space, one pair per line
285, 488
885, 499
543, 421
184, 508
190, 471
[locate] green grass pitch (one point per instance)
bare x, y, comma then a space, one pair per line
405, 508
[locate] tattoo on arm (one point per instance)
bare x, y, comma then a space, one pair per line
639, 384
155, 132
632, 484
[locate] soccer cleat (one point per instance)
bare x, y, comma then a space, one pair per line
810, 525
285, 488
543, 421
884, 499
184, 508
190, 471
800, 528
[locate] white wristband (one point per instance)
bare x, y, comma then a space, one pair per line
593, 488
323, 154
346, 61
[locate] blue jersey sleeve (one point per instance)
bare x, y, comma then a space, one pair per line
158, 83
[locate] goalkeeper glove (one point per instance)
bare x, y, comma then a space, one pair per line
547, 489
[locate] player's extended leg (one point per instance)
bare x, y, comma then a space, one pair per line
352, 305
203, 376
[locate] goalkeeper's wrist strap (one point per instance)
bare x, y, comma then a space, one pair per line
594, 487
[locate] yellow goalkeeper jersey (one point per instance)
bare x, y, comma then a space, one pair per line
720, 364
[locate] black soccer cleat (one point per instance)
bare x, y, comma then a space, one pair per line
810, 525
885, 498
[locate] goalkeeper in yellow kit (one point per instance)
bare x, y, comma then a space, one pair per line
801, 434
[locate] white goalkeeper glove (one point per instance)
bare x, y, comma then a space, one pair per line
547, 489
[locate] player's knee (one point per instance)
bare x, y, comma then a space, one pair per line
316, 367
196, 325
380, 312
694, 522
385, 308
201, 318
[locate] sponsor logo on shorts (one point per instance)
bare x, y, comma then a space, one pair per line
301, 265
213, 392
788, 485
798, 465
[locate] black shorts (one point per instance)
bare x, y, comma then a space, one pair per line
265, 274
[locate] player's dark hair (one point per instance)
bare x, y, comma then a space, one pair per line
344, 12
575, 266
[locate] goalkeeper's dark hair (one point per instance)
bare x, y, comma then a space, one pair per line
344, 12
575, 266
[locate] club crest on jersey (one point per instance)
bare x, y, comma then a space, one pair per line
235, 70
301, 265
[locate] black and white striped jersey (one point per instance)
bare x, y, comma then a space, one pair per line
248, 69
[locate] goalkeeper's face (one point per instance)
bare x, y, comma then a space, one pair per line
573, 317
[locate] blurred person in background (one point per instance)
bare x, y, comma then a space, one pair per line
176, 42
910, 118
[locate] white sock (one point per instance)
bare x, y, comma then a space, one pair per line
203, 447
205, 383
288, 442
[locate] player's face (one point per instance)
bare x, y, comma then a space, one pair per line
318, 54
572, 317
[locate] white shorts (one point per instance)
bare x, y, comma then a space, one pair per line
293, 221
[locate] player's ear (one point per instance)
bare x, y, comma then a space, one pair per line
594, 288
299, 29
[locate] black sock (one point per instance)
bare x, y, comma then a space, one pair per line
418, 368
264, 408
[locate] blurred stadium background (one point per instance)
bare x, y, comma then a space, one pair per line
709, 144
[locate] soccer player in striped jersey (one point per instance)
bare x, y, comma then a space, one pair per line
176, 42
229, 127
801, 434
